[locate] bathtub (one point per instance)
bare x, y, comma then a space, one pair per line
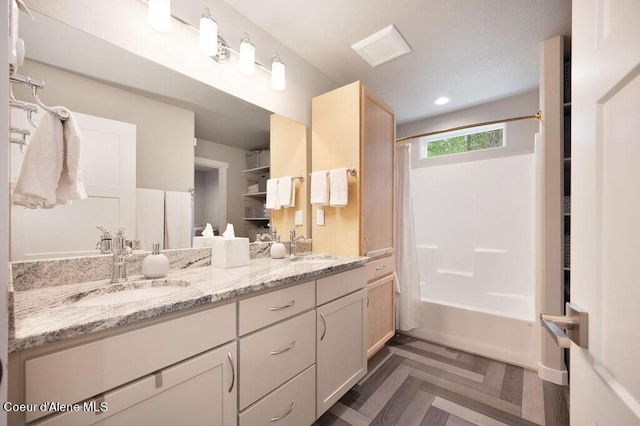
498, 325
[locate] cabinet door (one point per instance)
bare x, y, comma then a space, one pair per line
198, 391
380, 314
378, 148
341, 354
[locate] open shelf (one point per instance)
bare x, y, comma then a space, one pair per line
255, 194
257, 169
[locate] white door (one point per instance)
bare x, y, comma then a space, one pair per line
605, 378
108, 160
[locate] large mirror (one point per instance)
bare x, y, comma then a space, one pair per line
187, 136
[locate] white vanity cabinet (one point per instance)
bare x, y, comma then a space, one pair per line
341, 358
277, 357
197, 391
139, 370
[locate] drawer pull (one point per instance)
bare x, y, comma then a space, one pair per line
277, 308
275, 419
288, 348
324, 326
233, 372
380, 268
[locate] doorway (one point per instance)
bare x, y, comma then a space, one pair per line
210, 199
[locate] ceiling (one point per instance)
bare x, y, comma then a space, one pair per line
472, 51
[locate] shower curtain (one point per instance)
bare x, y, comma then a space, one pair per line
409, 304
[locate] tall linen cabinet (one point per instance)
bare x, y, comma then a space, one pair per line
354, 128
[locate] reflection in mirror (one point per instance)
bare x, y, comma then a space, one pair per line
166, 112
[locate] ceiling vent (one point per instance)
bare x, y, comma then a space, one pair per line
381, 47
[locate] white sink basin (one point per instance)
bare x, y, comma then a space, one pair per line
128, 293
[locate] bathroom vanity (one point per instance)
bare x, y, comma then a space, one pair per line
273, 341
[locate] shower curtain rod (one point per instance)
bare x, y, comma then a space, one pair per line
537, 116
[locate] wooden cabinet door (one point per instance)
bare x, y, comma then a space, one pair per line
341, 355
380, 314
377, 163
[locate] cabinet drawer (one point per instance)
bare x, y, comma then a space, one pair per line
192, 392
379, 268
291, 405
74, 374
260, 311
274, 355
335, 286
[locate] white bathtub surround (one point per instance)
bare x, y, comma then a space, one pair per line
408, 279
475, 247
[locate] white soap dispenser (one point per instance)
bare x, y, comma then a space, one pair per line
278, 250
156, 265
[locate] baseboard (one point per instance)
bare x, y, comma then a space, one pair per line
552, 375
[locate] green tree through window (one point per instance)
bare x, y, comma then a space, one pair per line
471, 141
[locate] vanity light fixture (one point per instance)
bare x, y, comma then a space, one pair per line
208, 34
442, 100
159, 15
246, 63
211, 44
277, 73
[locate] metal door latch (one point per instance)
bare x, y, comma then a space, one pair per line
575, 322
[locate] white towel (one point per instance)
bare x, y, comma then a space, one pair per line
150, 217
338, 188
286, 192
320, 188
50, 173
177, 220
272, 195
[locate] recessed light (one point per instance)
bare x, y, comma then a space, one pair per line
441, 101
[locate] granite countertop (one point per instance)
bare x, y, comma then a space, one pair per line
48, 314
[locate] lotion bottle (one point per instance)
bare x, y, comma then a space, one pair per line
156, 265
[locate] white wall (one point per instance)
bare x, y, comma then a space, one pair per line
123, 23
164, 148
236, 182
519, 134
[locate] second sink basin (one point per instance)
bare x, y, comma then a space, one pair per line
128, 292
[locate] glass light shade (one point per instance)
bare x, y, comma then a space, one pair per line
246, 64
159, 15
277, 74
208, 36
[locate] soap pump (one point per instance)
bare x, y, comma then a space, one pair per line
278, 250
156, 265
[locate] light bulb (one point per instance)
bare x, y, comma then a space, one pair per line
246, 63
159, 15
208, 34
277, 73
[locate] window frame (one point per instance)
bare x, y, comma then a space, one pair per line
424, 141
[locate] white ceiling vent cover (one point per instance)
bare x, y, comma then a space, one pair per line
381, 47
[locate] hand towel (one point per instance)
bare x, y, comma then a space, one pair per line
338, 188
320, 188
150, 217
50, 173
286, 192
272, 195
177, 223
71, 186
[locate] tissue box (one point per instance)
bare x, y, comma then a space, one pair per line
229, 252
202, 242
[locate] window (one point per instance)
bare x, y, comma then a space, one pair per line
476, 138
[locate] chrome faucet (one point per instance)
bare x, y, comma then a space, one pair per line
121, 252
293, 239
104, 245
